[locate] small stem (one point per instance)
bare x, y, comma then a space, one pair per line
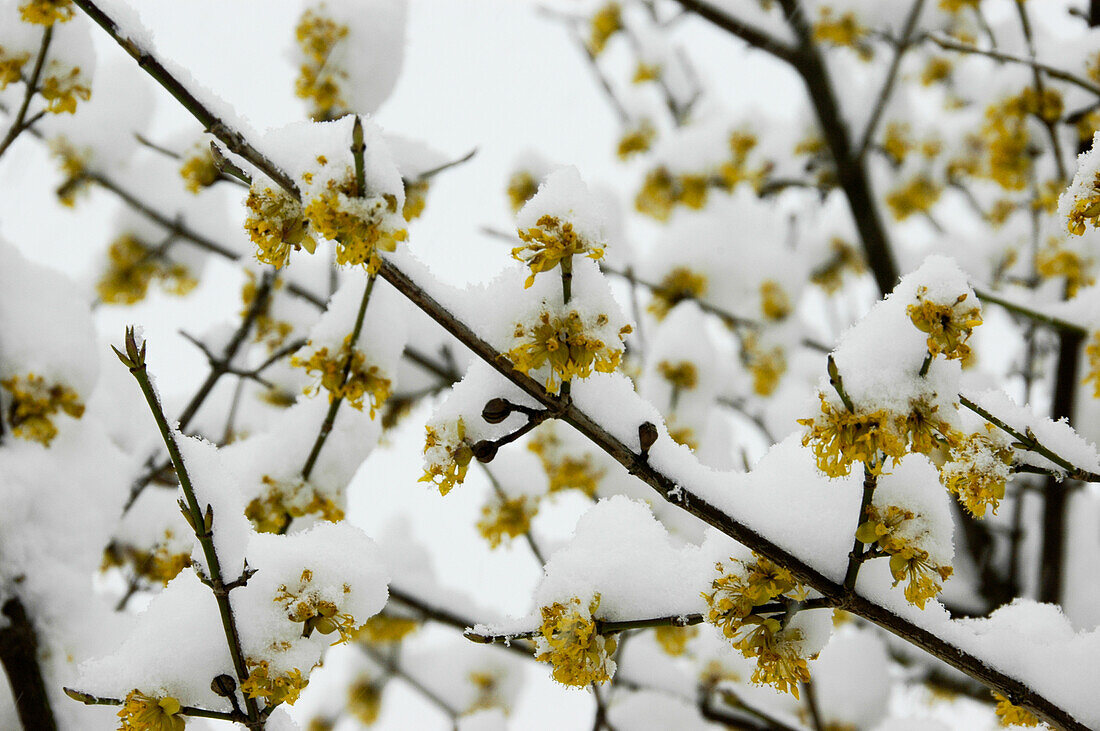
1017, 309
19, 658
858, 555
20, 122
925, 365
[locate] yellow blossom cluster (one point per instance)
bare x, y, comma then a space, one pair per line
1012, 715
288, 499
678, 285
845, 258
416, 199
158, 565
386, 629
62, 86
887, 531
365, 700
269, 330
487, 689
568, 639
11, 66
274, 689
1005, 137
550, 241
199, 169
682, 375
140, 712
356, 221
977, 473
565, 471
74, 164
937, 69
347, 375
46, 12
319, 78
767, 366
674, 640
522, 187
775, 303
33, 404
661, 192
916, 196
275, 223
446, 455
605, 22
636, 139
841, 438
1056, 260
948, 325
566, 344
1092, 353
732, 603
843, 30
305, 605
507, 518
131, 268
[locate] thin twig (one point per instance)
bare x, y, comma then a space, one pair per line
21, 123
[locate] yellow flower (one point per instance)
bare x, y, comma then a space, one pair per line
198, 170
937, 69
924, 430
34, 403
46, 12
977, 473
275, 224
446, 455
658, 195
1012, 715
132, 266
319, 78
1054, 260
682, 374
636, 140
158, 565
674, 640
885, 528
11, 66
509, 518
948, 326
644, 72
734, 597
567, 345
774, 302
733, 171
569, 641
416, 199
606, 22
766, 366
274, 689
346, 375
916, 196
565, 471
61, 87
841, 438
386, 629
550, 241
522, 187
74, 162
286, 499
846, 258
1092, 352
845, 30
678, 285
141, 712
306, 605
487, 687
270, 331
356, 221
365, 700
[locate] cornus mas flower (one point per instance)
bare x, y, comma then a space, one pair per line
286, 499
158, 564
889, 529
732, 603
1092, 352
678, 285
606, 22
674, 640
386, 629
1012, 715
361, 225
318, 80
948, 324
568, 640
11, 66
924, 429
131, 268
840, 438
365, 700
273, 689
1079, 205
446, 455
564, 470
33, 404
62, 86
362, 379
977, 472
275, 223
416, 199
774, 301
141, 712
682, 374
198, 169
767, 366
570, 344
46, 12
916, 196
843, 30
636, 139
316, 608
1056, 259
548, 242
507, 518
269, 330
522, 186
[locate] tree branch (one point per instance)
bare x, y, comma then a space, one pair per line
19, 657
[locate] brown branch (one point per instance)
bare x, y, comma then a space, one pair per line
20, 124
753, 36
19, 657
